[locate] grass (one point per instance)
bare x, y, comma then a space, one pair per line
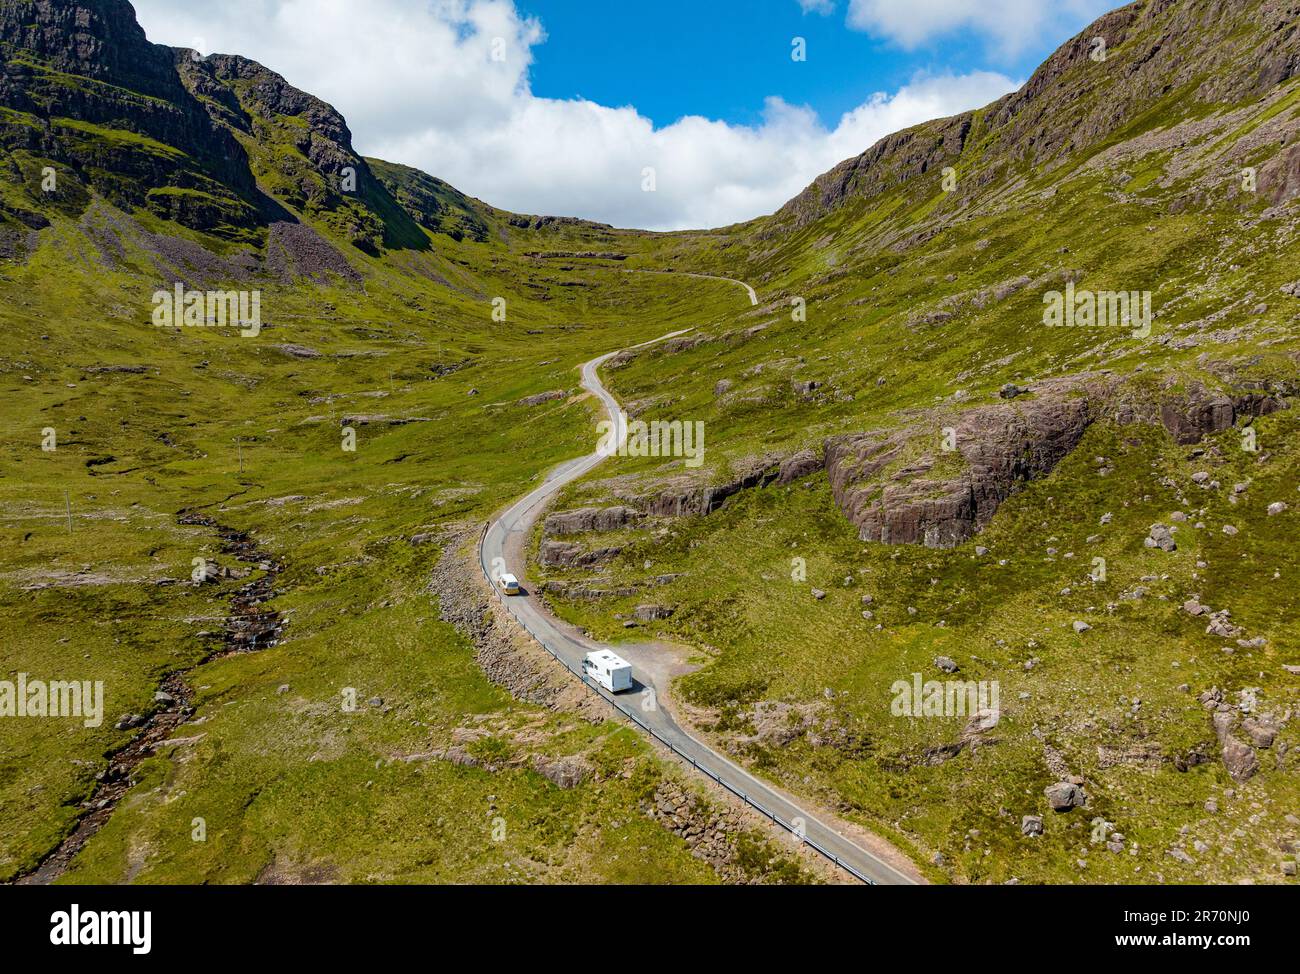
287, 784
739, 600
920, 304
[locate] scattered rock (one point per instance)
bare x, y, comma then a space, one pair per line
1221, 627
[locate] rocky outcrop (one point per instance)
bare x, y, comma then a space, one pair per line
895, 493
711, 834
585, 591
686, 497
798, 466
590, 519
565, 772
543, 397
1238, 757
652, 613
560, 554
1200, 411
592, 590
1002, 447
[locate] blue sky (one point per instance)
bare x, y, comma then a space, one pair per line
564, 106
721, 58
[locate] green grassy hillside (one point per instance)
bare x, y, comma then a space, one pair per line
426, 329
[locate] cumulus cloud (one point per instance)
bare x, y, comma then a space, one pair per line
444, 86
1009, 24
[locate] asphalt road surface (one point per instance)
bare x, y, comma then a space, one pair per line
502, 550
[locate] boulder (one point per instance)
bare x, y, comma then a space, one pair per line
1261, 732
1239, 759
1064, 795
804, 388
1161, 537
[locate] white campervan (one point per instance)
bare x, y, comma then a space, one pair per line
509, 584
610, 671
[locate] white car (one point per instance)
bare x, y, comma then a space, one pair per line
510, 585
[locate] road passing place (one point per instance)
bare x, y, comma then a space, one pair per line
502, 551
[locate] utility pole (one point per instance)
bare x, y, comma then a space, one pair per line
67, 506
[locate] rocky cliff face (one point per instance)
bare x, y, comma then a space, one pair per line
93, 96
895, 496
1001, 447
1186, 52
218, 144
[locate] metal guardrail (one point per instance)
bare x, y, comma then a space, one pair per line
632, 715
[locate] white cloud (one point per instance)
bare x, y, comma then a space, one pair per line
418, 85
823, 7
1009, 24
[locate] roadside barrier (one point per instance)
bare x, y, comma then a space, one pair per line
636, 719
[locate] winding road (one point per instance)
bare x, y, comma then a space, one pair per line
502, 549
